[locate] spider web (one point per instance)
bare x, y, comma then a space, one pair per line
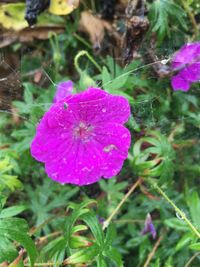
11, 89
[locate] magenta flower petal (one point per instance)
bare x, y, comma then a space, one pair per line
187, 62
187, 54
82, 138
64, 89
98, 106
180, 83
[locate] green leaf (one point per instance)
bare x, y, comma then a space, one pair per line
7, 180
12, 211
193, 202
78, 242
115, 84
114, 255
164, 12
91, 220
84, 255
156, 160
54, 247
101, 262
28, 96
17, 229
195, 246
8, 250
176, 224
184, 241
110, 235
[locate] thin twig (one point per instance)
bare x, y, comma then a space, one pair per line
191, 259
134, 186
151, 254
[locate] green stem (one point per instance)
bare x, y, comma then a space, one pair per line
81, 54
178, 211
46, 264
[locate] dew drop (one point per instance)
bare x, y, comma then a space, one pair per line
103, 110
64, 160
55, 175
85, 169
124, 135
179, 216
109, 148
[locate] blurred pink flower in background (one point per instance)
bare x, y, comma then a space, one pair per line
63, 90
187, 62
82, 138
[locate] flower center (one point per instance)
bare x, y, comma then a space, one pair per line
83, 131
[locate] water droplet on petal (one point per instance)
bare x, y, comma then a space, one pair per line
109, 148
103, 110
64, 160
55, 175
85, 169
124, 135
77, 180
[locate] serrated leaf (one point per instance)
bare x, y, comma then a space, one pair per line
110, 235
161, 13
17, 229
114, 255
12, 211
7, 180
8, 251
91, 220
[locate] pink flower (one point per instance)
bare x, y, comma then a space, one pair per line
187, 62
64, 89
82, 138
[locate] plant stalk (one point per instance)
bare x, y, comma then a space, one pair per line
177, 210
134, 186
